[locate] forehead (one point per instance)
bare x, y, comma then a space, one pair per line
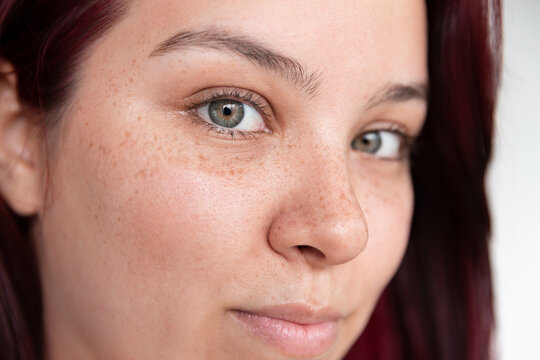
356, 46
342, 39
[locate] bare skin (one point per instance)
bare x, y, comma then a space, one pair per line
157, 227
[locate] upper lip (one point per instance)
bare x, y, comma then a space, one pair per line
297, 313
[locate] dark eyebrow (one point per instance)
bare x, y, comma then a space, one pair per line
221, 40
399, 93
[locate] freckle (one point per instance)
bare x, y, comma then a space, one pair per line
141, 173
95, 216
131, 79
342, 196
91, 145
86, 123
139, 118
231, 171
128, 134
202, 158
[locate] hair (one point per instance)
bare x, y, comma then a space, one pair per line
439, 304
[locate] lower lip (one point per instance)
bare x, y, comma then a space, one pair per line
290, 338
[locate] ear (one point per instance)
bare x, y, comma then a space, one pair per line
19, 149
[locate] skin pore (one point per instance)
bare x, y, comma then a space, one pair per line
160, 227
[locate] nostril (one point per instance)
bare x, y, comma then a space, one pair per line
310, 251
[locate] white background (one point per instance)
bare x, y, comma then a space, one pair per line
514, 187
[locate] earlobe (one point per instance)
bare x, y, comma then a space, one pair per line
19, 150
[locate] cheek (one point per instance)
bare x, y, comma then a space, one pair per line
389, 216
143, 215
135, 223
388, 207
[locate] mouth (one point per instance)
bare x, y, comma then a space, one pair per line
292, 329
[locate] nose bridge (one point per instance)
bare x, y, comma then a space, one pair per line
320, 219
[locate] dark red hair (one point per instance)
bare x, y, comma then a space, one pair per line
439, 305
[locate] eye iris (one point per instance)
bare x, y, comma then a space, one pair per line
226, 113
368, 142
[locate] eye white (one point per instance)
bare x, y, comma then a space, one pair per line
390, 145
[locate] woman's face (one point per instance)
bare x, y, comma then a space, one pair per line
230, 179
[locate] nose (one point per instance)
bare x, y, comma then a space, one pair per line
320, 219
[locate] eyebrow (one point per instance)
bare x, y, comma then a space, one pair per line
221, 40
399, 93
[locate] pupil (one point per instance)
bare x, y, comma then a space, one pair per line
227, 111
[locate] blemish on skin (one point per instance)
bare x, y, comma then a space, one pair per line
90, 145
202, 158
141, 173
128, 134
231, 171
103, 150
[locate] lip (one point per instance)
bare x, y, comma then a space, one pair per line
293, 329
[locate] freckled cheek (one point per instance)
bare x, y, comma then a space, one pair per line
388, 210
177, 220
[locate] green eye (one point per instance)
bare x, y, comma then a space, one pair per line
369, 142
226, 113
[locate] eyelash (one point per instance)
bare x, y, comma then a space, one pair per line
243, 96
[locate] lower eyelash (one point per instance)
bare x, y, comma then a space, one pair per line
233, 134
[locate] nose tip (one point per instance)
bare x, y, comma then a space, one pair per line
328, 230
